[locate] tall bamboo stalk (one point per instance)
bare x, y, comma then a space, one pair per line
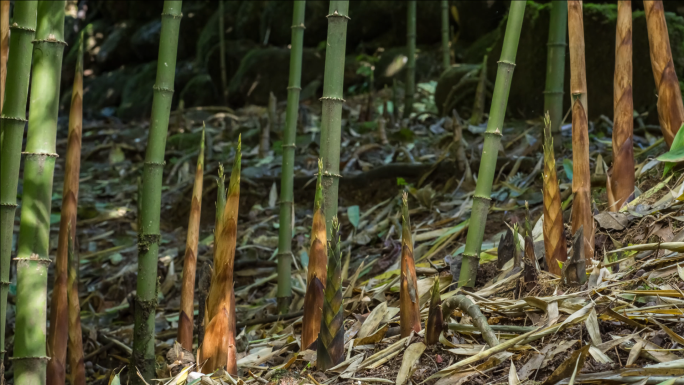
59, 307
446, 50
12, 123
411, 53
218, 346
330, 350
289, 147
502, 87
4, 45
222, 52
331, 116
578, 74
622, 181
409, 305
581, 172
555, 68
30, 358
149, 235
75, 343
187, 308
317, 273
554, 234
670, 108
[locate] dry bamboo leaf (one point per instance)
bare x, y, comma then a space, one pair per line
680, 270
411, 356
634, 353
569, 367
593, 328
373, 321
373, 338
675, 337
513, 375
599, 356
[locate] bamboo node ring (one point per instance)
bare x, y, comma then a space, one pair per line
47, 154
5, 117
332, 99
162, 89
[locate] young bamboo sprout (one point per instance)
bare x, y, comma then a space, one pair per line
555, 68
187, 307
75, 344
480, 93
331, 117
60, 314
554, 236
435, 321
34, 231
622, 180
461, 158
330, 350
409, 305
410, 88
670, 108
287, 177
12, 123
317, 273
490, 150
218, 346
581, 172
149, 235
574, 271
446, 50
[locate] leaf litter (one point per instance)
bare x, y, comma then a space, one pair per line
622, 326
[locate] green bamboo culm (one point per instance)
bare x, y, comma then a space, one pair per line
30, 360
287, 178
446, 50
410, 87
555, 68
149, 236
330, 351
12, 123
331, 116
490, 150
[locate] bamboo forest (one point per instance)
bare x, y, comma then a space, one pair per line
309, 192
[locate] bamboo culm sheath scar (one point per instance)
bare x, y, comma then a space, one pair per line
481, 200
149, 236
287, 178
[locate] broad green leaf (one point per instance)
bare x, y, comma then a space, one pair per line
354, 216
567, 166
676, 153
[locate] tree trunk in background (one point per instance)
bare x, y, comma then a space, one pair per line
555, 68
287, 178
490, 150
331, 115
446, 49
12, 123
670, 108
149, 236
187, 308
410, 87
622, 180
34, 232
581, 172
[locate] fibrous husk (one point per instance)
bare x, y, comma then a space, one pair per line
330, 348
409, 313
435, 320
554, 234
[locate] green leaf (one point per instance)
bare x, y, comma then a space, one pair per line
567, 166
676, 153
354, 216
401, 182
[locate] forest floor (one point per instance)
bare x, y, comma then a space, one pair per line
623, 326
